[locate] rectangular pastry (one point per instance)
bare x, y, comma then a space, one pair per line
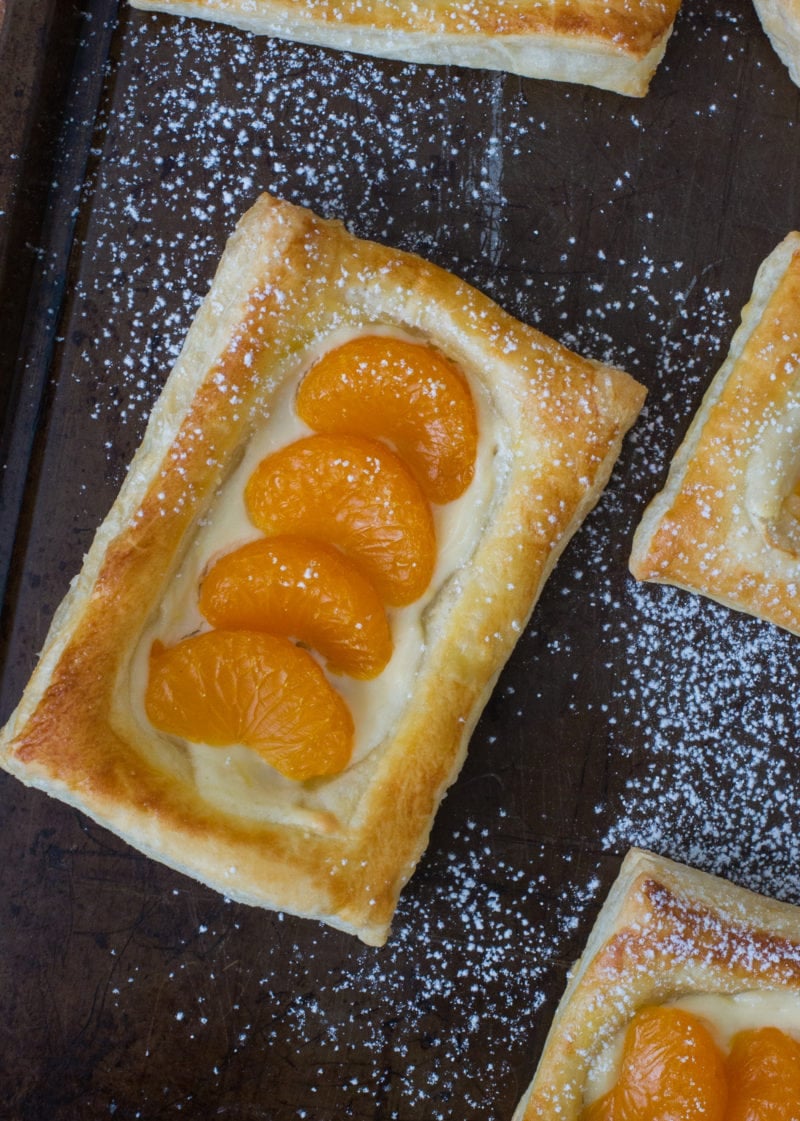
615, 45
687, 997
349, 494
727, 523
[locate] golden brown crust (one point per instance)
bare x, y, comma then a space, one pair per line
665, 931
613, 44
286, 281
726, 523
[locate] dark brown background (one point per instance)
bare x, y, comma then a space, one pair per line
632, 230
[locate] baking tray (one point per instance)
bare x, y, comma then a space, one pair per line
628, 714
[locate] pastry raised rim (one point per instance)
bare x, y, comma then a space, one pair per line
285, 276
665, 930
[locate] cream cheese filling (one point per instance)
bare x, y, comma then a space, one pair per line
235, 778
725, 1014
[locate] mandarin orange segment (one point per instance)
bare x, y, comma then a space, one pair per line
225, 688
356, 494
671, 1070
304, 589
404, 392
764, 1076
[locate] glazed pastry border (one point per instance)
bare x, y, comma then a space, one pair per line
615, 46
665, 931
285, 280
714, 529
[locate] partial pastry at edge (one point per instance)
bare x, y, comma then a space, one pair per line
668, 938
339, 847
615, 46
727, 523
781, 21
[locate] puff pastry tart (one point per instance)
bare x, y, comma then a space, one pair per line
727, 523
685, 1003
781, 21
349, 494
615, 45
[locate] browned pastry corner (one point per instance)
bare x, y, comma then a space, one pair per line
615, 45
666, 933
339, 847
781, 21
727, 523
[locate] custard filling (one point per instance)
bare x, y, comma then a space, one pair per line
231, 773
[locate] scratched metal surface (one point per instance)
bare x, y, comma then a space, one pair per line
630, 229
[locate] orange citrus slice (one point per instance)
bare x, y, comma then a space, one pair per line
258, 690
671, 1069
356, 494
302, 589
404, 392
764, 1076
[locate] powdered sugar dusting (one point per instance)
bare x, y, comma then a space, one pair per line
630, 714
432, 1025
253, 126
699, 713
717, 765
439, 1012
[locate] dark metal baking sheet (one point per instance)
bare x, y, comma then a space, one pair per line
631, 229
